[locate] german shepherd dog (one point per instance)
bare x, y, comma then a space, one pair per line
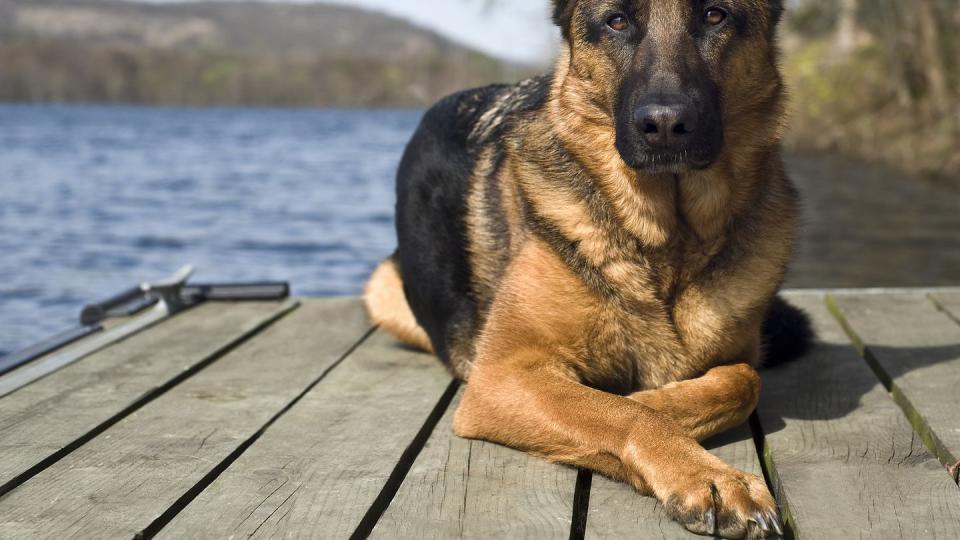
598, 251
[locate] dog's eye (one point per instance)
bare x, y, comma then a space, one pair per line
618, 22
715, 16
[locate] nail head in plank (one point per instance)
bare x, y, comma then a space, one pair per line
841, 454
41, 420
317, 471
618, 511
127, 479
916, 346
471, 489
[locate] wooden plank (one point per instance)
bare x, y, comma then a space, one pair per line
127, 481
322, 467
617, 511
470, 489
843, 458
915, 347
42, 421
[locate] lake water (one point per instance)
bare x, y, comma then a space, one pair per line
96, 199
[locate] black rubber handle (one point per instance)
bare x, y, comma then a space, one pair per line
135, 300
95, 313
237, 291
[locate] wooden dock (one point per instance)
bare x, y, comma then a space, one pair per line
297, 419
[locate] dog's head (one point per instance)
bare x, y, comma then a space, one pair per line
677, 78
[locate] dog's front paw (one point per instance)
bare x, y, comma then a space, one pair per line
727, 503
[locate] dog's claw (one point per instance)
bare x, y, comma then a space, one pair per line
711, 518
955, 472
777, 524
730, 504
765, 525
761, 521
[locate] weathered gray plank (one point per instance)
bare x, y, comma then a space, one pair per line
617, 511
41, 420
470, 489
123, 481
319, 469
842, 456
916, 347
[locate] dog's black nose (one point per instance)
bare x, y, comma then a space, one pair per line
666, 126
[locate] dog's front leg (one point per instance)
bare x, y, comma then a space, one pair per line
719, 401
532, 402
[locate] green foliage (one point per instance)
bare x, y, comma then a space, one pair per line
813, 19
895, 97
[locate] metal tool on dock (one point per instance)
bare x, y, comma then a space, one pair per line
14, 360
163, 299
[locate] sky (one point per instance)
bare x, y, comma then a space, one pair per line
519, 30
515, 29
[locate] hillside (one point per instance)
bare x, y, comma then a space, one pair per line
227, 53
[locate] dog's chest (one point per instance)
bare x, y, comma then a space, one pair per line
628, 350
635, 335
640, 276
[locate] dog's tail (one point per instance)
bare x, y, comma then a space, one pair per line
388, 308
787, 333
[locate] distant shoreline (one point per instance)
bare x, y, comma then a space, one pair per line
174, 106
230, 53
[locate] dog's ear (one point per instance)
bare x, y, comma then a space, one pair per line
563, 15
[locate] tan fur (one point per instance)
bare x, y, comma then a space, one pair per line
388, 308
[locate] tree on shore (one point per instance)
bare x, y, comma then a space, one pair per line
878, 78
845, 40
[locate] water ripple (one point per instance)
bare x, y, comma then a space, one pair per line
94, 199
